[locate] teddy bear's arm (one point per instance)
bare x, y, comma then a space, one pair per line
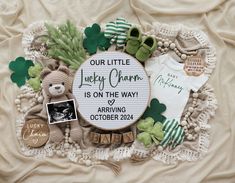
71, 96
46, 100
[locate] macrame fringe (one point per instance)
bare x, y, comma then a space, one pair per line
203, 141
185, 33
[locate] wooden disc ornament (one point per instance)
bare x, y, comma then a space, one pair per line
112, 90
35, 133
194, 66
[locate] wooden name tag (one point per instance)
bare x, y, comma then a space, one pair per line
35, 133
194, 66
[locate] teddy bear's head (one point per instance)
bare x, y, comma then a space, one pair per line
56, 83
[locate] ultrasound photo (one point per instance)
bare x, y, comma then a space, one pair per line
63, 111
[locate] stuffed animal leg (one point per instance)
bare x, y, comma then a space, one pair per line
56, 135
76, 131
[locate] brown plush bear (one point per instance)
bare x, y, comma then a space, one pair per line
56, 87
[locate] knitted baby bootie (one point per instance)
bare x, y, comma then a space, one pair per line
134, 37
147, 47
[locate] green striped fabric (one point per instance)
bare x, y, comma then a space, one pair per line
117, 31
173, 133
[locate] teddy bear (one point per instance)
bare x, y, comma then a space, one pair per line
56, 87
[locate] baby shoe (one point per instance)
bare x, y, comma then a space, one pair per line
133, 40
147, 47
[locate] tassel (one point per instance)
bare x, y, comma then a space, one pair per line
115, 167
137, 159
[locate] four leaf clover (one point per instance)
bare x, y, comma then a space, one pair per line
95, 39
155, 111
20, 67
150, 132
34, 73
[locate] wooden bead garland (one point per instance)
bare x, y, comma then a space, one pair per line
164, 45
191, 130
27, 93
63, 149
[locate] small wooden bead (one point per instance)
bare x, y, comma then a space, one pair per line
172, 46
183, 123
183, 56
195, 95
17, 101
166, 44
160, 44
190, 137
197, 129
88, 162
25, 109
66, 145
160, 148
58, 152
190, 109
40, 99
79, 151
70, 140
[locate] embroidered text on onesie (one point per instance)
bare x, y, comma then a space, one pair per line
171, 85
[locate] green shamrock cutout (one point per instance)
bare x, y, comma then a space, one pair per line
95, 39
35, 81
155, 111
20, 67
150, 132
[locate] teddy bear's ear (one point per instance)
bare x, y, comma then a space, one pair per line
64, 69
45, 72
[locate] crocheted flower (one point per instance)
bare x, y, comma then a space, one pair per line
95, 39
174, 133
34, 73
20, 67
150, 132
155, 111
116, 31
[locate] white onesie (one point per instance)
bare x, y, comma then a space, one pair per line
171, 85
